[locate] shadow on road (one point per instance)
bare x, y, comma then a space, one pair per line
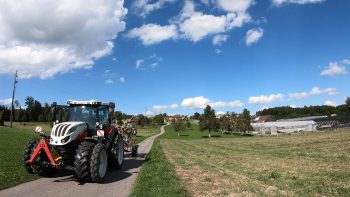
67, 175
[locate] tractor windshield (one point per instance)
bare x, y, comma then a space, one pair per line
83, 114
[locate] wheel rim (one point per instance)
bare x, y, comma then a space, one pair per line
103, 163
120, 151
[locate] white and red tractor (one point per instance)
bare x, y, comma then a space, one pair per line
87, 142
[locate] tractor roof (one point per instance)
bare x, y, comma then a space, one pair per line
91, 102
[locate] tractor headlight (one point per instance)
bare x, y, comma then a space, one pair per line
66, 139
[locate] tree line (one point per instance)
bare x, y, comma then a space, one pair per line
208, 121
289, 112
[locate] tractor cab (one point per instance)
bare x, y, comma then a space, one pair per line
94, 114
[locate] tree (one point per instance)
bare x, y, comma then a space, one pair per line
208, 121
195, 116
245, 121
225, 123
188, 124
158, 119
178, 126
347, 101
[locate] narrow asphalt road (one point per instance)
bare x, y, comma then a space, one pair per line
117, 183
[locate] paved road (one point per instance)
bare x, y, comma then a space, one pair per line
117, 183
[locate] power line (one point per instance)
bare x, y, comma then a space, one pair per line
13, 97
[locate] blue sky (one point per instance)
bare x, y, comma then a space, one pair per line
177, 56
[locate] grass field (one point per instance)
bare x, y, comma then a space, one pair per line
13, 141
157, 177
311, 164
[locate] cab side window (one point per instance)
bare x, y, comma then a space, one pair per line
103, 116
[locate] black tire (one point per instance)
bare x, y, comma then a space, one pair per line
82, 161
98, 163
27, 153
114, 161
134, 151
41, 164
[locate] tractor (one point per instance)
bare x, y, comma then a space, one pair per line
87, 142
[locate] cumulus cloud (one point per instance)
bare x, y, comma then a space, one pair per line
334, 69
263, 99
194, 25
253, 36
219, 39
234, 6
43, 38
312, 92
200, 102
330, 103
280, 2
150, 34
145, 7
159, 108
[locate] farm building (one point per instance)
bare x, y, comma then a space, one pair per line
272, 128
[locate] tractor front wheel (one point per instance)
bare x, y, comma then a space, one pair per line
82, 161
40, 165
98, 163
27, 153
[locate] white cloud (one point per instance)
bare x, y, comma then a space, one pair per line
334, 69
293, 106
109, 81
200, 102
150, 34
219, 39
114, 59
234, 5
263, 99
149, 113
280, 2
330, 103
139, 63
145, 7
159, 108
122, 79
200, 25
8, 101
312, 92
194, 25
43, 38
218, 51
346, 61
253, 35
218, 113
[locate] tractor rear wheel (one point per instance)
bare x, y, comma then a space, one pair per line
82, 161
116, 156
27, 153
98, 163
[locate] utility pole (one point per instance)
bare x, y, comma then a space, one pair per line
13, 98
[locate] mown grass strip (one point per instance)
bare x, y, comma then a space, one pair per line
157, 176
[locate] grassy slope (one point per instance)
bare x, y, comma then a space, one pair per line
143, 133
303, 164
157, 176
12, 142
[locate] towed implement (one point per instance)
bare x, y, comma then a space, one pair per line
87, 141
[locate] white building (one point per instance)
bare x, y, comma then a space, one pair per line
272, 128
